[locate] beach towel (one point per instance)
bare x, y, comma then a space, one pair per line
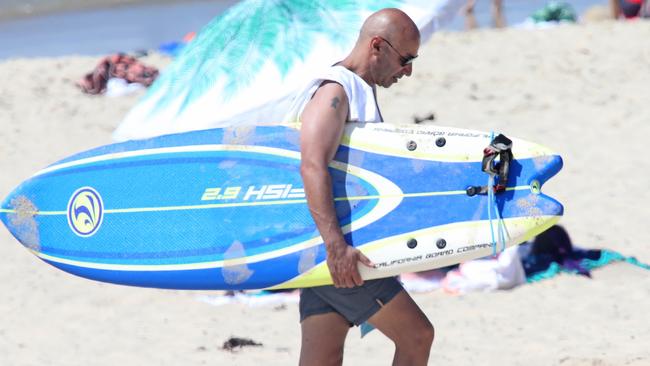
489, 274
120, 66
580, 262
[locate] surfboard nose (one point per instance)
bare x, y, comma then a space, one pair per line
553, 206
4, 207
5, 210
18, 214
548, 166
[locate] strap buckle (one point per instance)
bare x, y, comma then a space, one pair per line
500, 146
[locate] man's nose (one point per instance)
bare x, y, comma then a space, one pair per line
408, 69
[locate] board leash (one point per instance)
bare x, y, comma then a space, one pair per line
492, 205
501, 147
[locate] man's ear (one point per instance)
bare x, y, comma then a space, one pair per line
374, 43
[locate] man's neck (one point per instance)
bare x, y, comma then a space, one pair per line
363, 71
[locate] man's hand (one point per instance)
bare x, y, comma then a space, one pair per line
342, 261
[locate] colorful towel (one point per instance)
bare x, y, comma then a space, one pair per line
580, 262
117, 66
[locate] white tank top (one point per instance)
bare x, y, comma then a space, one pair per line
361, 97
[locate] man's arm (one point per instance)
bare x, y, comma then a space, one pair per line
323, 121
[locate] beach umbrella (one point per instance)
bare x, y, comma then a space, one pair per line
245, 66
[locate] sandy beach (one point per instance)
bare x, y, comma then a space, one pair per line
579, 89
13, 9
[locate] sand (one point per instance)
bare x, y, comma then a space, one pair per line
14, 9
582, 90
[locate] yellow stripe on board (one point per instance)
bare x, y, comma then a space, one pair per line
253, 204
319, 275
382, 149
393, 139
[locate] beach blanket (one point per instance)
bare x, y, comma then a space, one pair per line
245, 66
581, 262
521, 266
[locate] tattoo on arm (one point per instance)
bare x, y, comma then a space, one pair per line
335, 102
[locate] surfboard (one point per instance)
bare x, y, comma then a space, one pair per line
226, 208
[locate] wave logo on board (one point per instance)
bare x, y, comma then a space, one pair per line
85, 211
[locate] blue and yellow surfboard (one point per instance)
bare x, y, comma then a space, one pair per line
226, 209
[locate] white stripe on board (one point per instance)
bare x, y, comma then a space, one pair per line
170, 150
260, 203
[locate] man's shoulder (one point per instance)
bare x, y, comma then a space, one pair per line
341, 73
330, 89
331, 84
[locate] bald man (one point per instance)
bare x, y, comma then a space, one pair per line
387, 45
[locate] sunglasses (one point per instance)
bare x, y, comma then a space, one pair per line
403, 60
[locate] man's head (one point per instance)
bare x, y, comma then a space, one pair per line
389, 40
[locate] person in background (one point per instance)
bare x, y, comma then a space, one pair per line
497, 14
627, 9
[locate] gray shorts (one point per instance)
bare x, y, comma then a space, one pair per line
355, 304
